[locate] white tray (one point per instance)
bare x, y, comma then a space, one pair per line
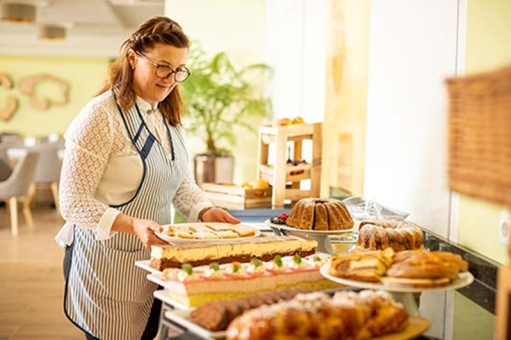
464, 279
182, 319
145, 265
165, 297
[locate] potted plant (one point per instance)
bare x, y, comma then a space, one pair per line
221, 102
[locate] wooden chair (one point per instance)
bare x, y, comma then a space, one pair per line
16, 186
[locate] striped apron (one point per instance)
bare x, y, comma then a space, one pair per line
106, 295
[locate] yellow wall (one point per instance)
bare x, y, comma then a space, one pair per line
346, 95
84, 76
488, 47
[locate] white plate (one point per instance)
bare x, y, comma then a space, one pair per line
145, 265
464, 279
174, 240
182, 318
165, 297
311, 232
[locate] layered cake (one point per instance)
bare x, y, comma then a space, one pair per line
264, 248
194, 286
320, 214
379, 235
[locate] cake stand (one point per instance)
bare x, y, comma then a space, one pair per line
403, 295
322, 237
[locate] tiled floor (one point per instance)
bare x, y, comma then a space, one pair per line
31, 280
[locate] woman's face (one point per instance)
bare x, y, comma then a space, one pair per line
147, 84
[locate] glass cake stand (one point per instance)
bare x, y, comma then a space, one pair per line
322, 237
403, 295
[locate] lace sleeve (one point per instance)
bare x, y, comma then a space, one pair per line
190, 199
89, 141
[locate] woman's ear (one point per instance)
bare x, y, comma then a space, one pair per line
132, 59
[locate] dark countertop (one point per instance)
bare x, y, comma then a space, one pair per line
463, 314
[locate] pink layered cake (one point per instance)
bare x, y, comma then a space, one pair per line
194, 286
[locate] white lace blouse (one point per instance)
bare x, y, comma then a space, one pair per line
102, 167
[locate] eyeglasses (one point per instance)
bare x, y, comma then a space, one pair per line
164, 71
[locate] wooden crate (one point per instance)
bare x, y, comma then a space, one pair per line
229, 196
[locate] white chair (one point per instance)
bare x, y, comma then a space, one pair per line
5, 169
47, 172
16, 186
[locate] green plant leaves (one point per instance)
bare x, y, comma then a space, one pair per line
221, 98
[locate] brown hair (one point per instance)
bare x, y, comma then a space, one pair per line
155, 30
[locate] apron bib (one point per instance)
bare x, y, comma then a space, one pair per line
106, 295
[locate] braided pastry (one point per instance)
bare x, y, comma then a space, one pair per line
347, 315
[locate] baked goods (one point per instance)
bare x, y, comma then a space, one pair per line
208, 231
381, 234
347, 315
367, 266
424, 269
216, 316
240, 250
194, 286
320, 214
411, 269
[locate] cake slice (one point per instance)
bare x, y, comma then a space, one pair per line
198, 285
240, 250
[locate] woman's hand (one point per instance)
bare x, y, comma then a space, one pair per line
219, 215
145, 229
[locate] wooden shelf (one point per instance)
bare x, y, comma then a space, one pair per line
280, 174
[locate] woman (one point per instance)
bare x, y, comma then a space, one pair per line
125, 163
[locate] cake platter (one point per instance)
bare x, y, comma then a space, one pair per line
400, 294
146, 264
181, 318
321, 236
164, 296
200, 236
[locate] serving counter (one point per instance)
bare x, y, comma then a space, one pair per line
467, 313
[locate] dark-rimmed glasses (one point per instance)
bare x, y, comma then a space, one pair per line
164, 71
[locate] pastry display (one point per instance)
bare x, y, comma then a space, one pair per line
411, 269
346, 315
381, 234
240, 250
368, 266
216, 316
424, 269
194, 286
320, 214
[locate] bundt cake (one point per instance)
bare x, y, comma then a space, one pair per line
379, 235
320, 214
